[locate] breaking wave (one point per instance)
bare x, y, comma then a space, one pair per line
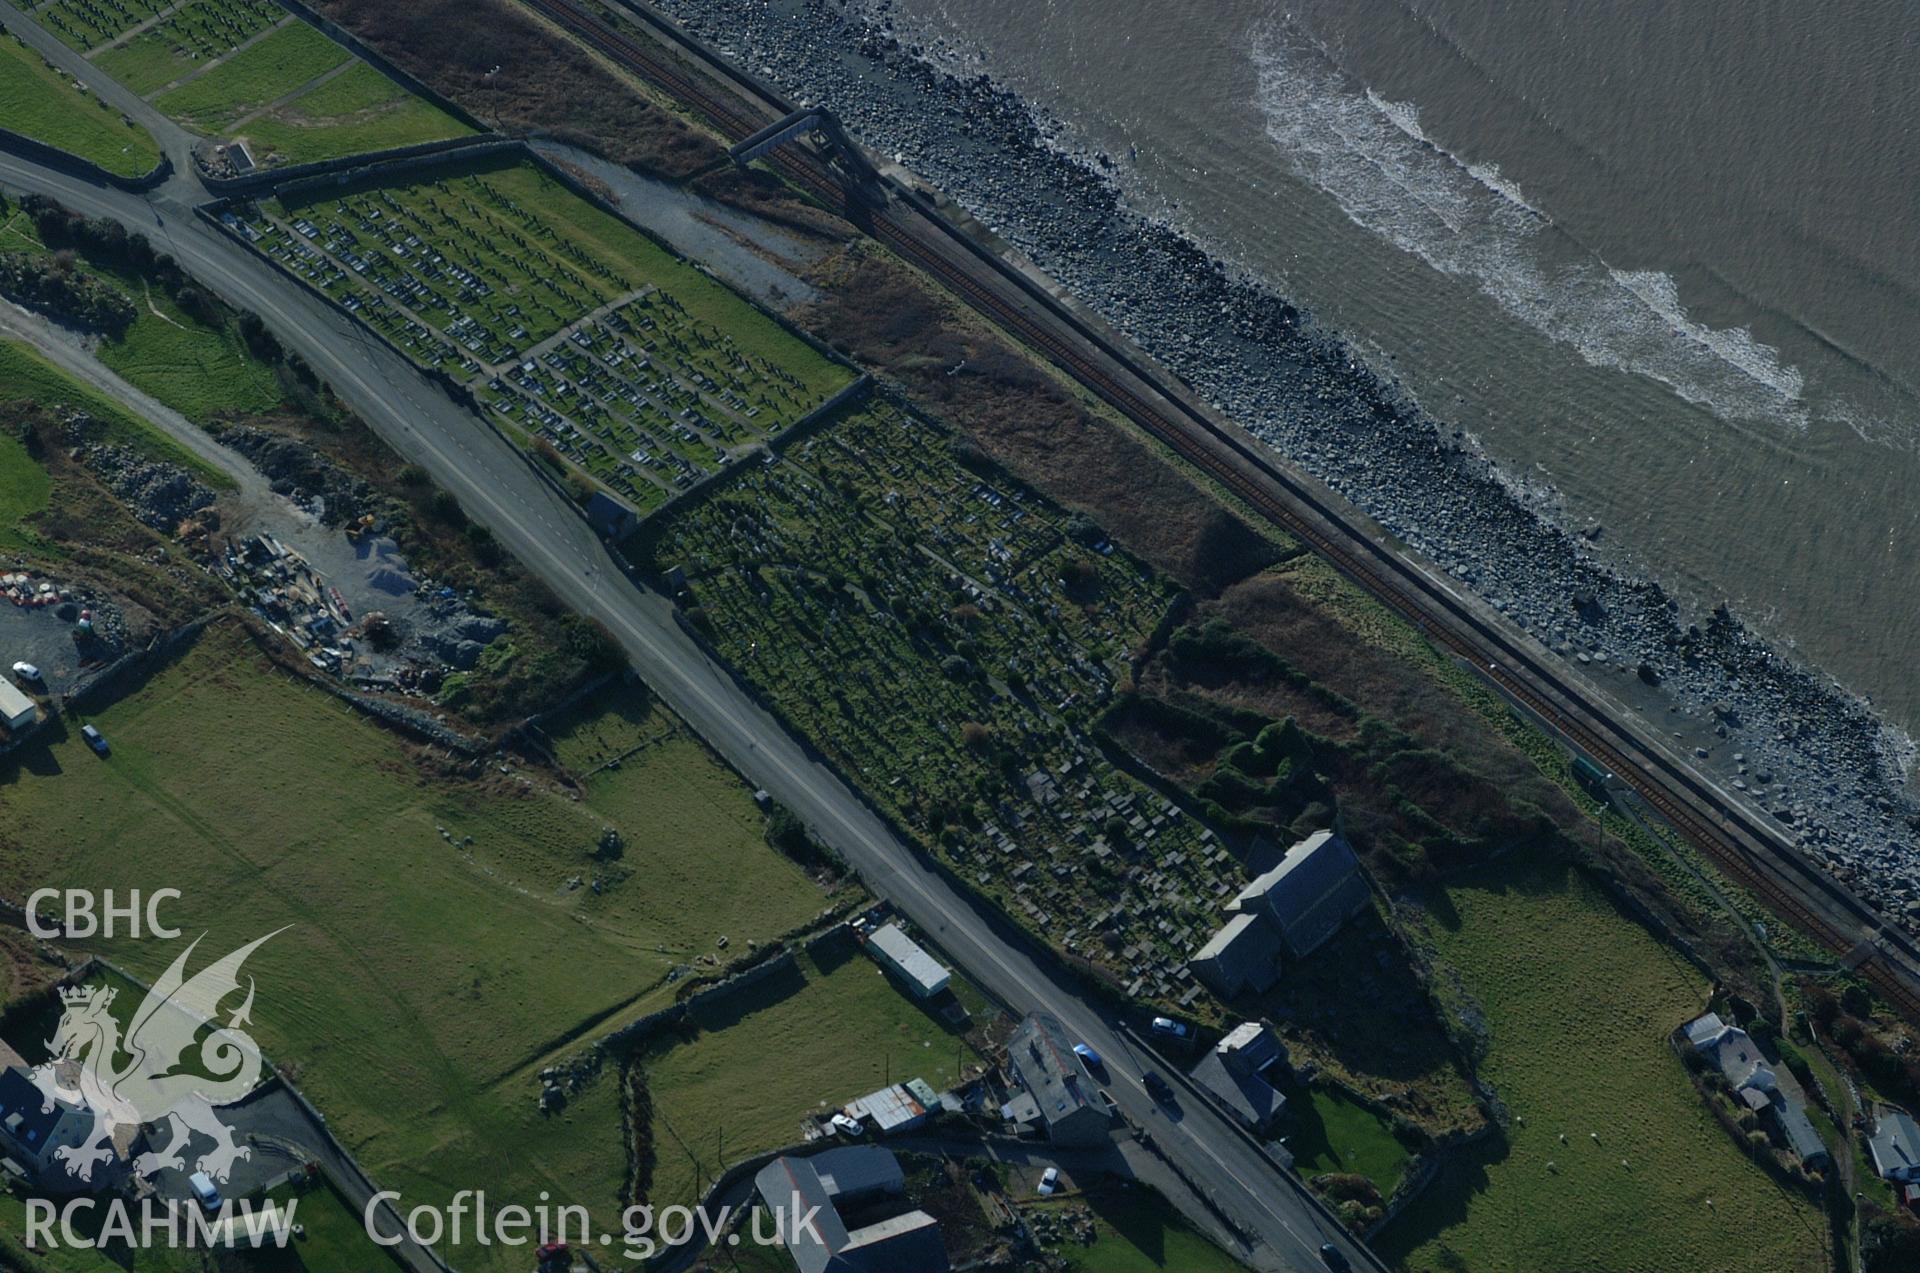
1469, 221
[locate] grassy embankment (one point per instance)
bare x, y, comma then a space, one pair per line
40, 102
198, 369
24, 374
424, 979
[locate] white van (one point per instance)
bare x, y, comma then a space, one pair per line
203, 1189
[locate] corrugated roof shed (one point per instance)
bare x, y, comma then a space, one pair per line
892, 1109
1798, 1129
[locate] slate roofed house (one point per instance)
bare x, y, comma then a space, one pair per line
1315, 888
1704, 1031
810, 1194
1242, 958
1895, 1146
1757, 1085
1241, 1070
1042, 1061
31, 1133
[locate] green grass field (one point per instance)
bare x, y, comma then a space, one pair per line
355, 112
1579, 1002
761, 1060
336, 1240
24, 490
42, 103
112, 1257
1326, 1132
252, 78
193, 368
25, 374
185, 40
1137, 1231
423, 977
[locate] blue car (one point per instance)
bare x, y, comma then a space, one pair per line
1088, 1057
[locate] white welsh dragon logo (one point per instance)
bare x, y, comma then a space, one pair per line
148, 1088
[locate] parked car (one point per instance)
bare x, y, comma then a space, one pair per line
203, 1188
1049, 1181
1171, 1028
1331, 1257
26, 672
1157, 1087
1091, 1059
95, 739
848, 1127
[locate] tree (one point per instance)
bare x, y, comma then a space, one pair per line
260, 342
445, 507
486, 549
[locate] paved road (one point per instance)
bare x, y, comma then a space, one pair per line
498, 488
174, 140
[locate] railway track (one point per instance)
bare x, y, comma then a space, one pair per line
1746, 851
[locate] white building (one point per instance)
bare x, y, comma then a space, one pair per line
924, 974
17, 712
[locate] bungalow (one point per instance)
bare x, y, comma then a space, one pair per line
1895, 1145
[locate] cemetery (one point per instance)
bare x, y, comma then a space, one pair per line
945, 637
579, 337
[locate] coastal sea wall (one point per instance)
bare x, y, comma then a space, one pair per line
1806, 752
